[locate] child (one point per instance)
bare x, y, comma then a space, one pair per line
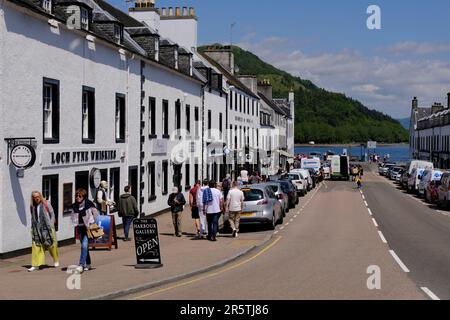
359, 181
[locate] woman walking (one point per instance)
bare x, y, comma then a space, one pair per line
83, 215
42, 231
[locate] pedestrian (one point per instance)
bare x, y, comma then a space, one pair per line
128, 210
226, 185
255, 178
234, 207
84, 214
176, 202
201, 209
42, 232
359, 181
102, 200
213, 201
194, 207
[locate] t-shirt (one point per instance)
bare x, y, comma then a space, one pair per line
214, 205
200, 197
235, 196
193, 193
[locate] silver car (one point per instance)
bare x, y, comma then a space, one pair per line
282, 197
261, 206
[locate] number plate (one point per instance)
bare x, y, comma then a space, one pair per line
248, 214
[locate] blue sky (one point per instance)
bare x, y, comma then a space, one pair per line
328, 42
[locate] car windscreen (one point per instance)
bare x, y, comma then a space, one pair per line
252, 194
294, 176
286, 187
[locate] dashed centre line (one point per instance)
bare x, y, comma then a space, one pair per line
375, 222
382, 237
397, 259
429, 293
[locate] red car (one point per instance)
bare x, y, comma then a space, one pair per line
431, 192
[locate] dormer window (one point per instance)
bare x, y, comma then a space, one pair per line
47, 5
84, 19
117, 33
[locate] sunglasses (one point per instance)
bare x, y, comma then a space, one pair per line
78, 196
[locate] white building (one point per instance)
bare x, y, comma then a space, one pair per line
430, 133
71, 94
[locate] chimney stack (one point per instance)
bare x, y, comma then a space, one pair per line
437, 107
415, 104
163, 11
448, 100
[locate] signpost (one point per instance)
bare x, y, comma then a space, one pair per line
148, 255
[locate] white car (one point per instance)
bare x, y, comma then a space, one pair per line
414, 179
305, 173
299, 182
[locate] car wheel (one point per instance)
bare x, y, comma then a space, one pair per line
297, 201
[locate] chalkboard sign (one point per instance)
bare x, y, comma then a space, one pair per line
146, 240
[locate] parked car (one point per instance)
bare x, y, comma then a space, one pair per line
307, 175
289, 188
427, 177
261, 206
414, 179
404, 180
393, 172
383, 169
432, 191
282, 197
444, 190
299, 182
398, 175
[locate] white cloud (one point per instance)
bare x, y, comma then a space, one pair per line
410, 47
379, 82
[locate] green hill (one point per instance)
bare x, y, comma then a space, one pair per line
323, 116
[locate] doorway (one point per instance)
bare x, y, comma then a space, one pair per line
133, 181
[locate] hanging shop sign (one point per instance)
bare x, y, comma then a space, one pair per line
23, 156
78, 157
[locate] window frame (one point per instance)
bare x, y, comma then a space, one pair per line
90, 116
152, 118
122, 118
55, 110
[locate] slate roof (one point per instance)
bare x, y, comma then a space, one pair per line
271, 104
231, 79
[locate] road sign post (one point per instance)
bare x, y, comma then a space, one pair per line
146, 239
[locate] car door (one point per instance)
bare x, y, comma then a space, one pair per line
443, 187
275, 203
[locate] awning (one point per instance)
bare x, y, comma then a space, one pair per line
286, 154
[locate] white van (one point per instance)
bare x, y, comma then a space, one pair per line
420, 164
307, 176
311, 163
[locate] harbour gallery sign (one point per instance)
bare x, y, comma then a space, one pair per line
60, 158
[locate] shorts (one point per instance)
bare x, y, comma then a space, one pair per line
195, 213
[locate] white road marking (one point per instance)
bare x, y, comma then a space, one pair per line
365, 202
295, 216
430, 294
275, 232
364, 198
370, 211
286, 224
291, 220
375, 222
281, 228
397, 259
382, 237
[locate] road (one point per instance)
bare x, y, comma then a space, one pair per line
327, 248
417, 232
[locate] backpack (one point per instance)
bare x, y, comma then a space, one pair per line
207, 196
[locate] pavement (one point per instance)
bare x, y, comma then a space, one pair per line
114, 274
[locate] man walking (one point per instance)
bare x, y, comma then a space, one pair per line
226, 184
194, 207
128, 210
213, 202
234, 206
201, 209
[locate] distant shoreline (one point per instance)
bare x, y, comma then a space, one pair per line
343, 145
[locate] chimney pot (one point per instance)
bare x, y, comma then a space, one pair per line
185, 12
163, 11
177, 11
170, 11
191, 12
